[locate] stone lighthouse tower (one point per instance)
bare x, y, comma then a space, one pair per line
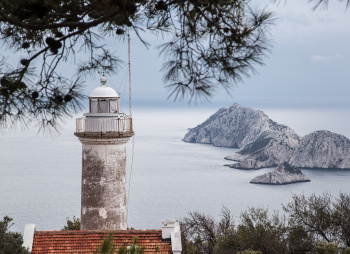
103, 132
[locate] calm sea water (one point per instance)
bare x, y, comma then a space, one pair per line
40, 176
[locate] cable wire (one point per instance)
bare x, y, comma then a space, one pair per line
132, 162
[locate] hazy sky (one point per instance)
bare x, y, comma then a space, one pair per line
308, 65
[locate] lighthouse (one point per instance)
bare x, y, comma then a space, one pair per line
104, 133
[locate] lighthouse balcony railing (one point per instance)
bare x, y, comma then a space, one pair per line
122, 125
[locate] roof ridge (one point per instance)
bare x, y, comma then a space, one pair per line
97, 231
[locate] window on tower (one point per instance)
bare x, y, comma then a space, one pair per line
103, 106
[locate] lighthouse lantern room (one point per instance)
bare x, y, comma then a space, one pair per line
103, 99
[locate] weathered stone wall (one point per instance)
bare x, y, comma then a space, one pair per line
103, 189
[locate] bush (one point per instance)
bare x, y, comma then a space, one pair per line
316, 224
72, 224
10, 242
326, 248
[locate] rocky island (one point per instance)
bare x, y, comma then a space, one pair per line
283, 174
322, 149
237, 127
265, 143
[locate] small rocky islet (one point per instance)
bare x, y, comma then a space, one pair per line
283, 174
263, 142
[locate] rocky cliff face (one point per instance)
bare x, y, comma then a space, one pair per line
319, 149
283, 174
235, 127
268, 150
322, 149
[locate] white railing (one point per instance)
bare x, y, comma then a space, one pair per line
103, 125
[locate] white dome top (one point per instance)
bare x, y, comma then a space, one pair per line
103, 91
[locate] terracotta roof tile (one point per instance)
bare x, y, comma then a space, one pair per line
86, 241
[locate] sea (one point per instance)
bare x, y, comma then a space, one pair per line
40, 173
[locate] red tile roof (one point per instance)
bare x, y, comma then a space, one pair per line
86, 241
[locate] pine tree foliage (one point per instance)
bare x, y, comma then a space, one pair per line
108, 247
324, 3
213, 44
321, 4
